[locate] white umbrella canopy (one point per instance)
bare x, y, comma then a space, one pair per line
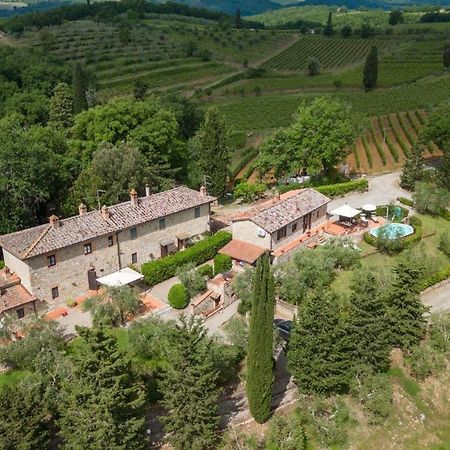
369, 207
345, 211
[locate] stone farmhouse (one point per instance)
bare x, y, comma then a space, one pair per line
14, 298
64, 258
276, 224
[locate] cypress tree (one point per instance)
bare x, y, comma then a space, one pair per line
79, 89
212, 151
102, 404
370, 75
61, 107
328, 30
190, 389
260, 342
318, 356
238, 18
368, 324
446, 56
24, 419
413, 168
405, 309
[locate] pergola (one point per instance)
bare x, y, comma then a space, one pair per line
122, 277
345, 212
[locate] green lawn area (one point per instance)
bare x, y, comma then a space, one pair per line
11, 377
121, 334
381, 263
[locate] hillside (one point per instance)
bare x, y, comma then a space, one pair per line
247, 7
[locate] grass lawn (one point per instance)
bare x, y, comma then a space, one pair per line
11, 377
381, 263
76, 345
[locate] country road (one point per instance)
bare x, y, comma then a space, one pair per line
438, 299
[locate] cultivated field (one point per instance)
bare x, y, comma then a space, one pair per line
331, 52
387, 141
166, 54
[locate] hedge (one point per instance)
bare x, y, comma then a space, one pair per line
381, 211
330, 190
406, 201
178, 296
407, 241
436, 278
207, 270
222, 263
162, 269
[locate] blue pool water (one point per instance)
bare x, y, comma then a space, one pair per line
393, 230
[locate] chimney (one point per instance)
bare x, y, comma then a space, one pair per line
134, 197
54, 221
82, 209
105, 212
203, 190
147, 190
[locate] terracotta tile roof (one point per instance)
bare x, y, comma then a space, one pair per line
73, 230
12, 293
274, 215
242, 251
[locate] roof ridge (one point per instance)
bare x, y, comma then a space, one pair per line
36, 242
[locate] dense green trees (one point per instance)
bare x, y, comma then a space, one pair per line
24, 420
115, 169
405, 308
315, 142
211, 152
431, 199
318, 357
260, 342
370, 73
446, 56
61, 107
367, 324
395, 17
113, 307
413, 168
313, 67
102, 403
79, 88
33, 171
190, 389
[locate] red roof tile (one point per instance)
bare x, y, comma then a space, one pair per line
44, 238
242, 251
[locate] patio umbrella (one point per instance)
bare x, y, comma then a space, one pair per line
369, 207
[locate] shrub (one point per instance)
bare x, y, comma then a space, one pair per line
249, 192
207, 270
222, 263
395, 213
369, 239
374, 392
436, 278
425, 361
178, 296
2, 265
71, 303
331, 190
191, 279
335, 190
406, 201
440, 333
444, 244
162, 269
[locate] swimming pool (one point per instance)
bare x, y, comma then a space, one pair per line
393, 230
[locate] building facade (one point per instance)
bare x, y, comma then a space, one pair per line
275, 224
63, 259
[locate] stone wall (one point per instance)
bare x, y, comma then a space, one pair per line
19, 267
70, 274
247, 231
319, 216
28, 309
